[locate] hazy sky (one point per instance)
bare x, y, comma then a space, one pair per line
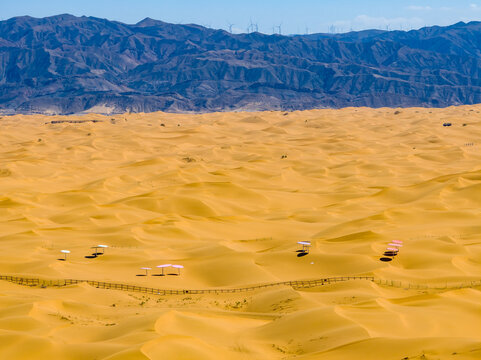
293, 16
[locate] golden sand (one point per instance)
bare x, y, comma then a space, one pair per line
228, 195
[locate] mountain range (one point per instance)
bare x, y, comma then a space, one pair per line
66, 64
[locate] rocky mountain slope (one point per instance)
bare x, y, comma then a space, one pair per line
68, 64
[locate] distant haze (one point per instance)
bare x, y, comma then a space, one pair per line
267, 16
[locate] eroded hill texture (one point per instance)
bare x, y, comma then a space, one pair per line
67, 64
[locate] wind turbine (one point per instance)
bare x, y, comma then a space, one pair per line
252, 27
279, 27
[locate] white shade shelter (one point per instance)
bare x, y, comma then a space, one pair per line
392, 249
103, 247
146, 270
396, 244
178, 267
397, 241
163, 267
65, 252
305, 245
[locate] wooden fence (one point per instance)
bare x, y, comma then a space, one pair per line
298, 284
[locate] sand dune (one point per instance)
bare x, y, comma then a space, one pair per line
228, 195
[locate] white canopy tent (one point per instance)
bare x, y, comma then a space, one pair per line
163, 267
65, 252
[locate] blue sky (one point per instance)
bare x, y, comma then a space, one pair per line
292, 16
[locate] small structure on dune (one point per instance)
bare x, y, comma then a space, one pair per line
96, 251
65, 252
164, 266
395, 244
305, 248
178, 267
146, 271
103, 247
391, 251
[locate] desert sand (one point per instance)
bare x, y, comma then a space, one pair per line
228, 196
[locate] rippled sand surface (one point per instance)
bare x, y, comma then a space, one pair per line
228, 195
